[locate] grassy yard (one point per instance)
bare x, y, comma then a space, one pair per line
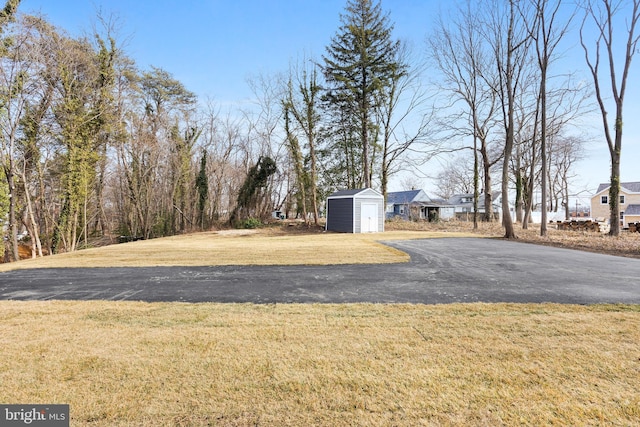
240, 247
173, 364
138, 364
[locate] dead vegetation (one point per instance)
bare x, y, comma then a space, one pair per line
138, 364
294, 243
627, 244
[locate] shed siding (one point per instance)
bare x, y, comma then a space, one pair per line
357, 218
340, 215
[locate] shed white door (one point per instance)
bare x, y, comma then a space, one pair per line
369, 218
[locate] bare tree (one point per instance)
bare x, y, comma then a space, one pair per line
567, 150
509, 42
265, 137
222, 139
21, 89
460, 54
547, 32
399, 100
604, 14
303, 103
457, 176
525, 160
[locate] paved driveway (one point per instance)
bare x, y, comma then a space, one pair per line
440, 271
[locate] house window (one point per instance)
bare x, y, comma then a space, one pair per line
622, 200
401, 210
604, 200
621, 215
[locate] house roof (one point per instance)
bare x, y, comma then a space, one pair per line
415, 197
439, 202
632, 210
354, 193
631, 187
400, 197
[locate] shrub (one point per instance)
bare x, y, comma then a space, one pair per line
251, 223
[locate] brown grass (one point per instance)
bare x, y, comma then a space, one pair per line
137, 364
627, 244
270, 246
299, 245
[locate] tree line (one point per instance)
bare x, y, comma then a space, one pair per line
94, 147
500, 64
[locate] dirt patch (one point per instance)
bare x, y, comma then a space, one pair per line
236, 232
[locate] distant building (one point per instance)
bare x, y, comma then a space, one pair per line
417, 205
463, 204
629, 211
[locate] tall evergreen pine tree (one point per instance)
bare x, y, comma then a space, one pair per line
359, 63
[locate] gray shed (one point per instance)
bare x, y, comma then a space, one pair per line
355, 211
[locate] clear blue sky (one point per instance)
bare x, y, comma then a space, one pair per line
213, 46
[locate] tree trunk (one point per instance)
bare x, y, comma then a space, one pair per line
543, 147
507, 222
614, 195
488, 196
365, 149
476, 184
314, 188
519, 191
13, 226
33, 227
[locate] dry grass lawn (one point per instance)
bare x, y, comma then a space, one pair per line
138, 364
240, 247
172, 364
299, 246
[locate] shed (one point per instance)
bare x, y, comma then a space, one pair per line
355, 211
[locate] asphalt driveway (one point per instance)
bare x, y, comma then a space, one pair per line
440, 271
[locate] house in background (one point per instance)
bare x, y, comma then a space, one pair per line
463, 205
629, 203
417, 205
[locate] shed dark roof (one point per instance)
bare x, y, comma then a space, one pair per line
346, 193
632, 210
631, 187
